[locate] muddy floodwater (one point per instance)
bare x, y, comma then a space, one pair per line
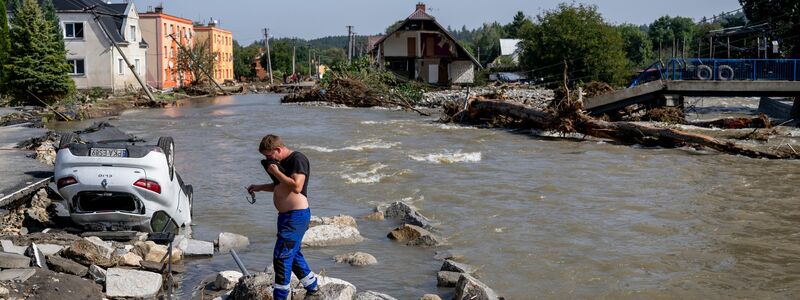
541, 218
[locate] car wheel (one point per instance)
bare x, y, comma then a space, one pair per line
66, 139
168, 146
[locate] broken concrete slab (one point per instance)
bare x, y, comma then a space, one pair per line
408, 214
17, 275
373, 295
49, 249
14, 261
228, 241
198, 248
156, 267
124, 283
9, 247
63, 265
119, 236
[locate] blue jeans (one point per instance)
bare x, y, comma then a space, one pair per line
287, 258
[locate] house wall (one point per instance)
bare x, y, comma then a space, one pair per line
397, 43
133, 51
162, 70
100, 58
222, 44
462, 71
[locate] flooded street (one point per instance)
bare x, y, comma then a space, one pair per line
540, 218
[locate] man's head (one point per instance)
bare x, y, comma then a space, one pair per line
272, 147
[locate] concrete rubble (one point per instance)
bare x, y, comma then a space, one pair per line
413, 235
228, 241
125, 283
407, 214
331, 235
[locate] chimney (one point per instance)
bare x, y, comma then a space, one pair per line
159, 9
420, 6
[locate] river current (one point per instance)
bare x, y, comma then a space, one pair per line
541, 218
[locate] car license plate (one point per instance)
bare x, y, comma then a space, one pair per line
106, 152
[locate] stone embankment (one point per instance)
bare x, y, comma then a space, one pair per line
533, 97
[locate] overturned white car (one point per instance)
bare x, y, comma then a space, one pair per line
113, 181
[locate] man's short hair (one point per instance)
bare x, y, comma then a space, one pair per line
270, 142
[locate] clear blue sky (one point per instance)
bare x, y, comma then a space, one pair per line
318, 18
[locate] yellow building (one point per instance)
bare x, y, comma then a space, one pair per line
221, 42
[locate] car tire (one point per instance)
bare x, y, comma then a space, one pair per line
168, 146
66, 139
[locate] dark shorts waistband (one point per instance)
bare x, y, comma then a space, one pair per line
296, 211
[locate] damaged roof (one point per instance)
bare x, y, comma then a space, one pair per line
110, 16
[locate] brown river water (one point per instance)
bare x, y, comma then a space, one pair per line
540, 217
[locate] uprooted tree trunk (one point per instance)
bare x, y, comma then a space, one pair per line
625, 132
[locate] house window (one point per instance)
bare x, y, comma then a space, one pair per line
133, 33
136, 64
77, 66
120, 66
73, 30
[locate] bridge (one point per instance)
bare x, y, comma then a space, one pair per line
667, 84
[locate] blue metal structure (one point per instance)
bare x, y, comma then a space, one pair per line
721, 69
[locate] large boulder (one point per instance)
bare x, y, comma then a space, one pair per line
130, 259
335, 220
63, 265
331, 235
408, 214
198, 248
372, 295
356, 259
86, 253
414, 235
49, 249
124, 283
228, 241
469, 288
430, 297
227, 280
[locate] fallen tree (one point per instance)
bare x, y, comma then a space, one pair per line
565, 116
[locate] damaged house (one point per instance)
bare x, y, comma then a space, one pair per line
421, 49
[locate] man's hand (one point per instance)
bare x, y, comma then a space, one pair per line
273, 169
253, 188
261, 188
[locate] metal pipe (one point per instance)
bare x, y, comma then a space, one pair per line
239, 263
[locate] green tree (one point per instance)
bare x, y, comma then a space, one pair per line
637, 45
5, 45
332, 56
579, 35
37, 62
520, 20
195, 59
243, 58
782, 15
667, 30
486, 40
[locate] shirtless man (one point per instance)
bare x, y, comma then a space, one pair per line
289, 195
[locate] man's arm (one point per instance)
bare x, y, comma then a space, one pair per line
295, 182
268, 187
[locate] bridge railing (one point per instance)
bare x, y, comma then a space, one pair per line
721, 69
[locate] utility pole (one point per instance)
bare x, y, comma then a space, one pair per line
130, 66
309, 61
269, 60
349, 44
294, 48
